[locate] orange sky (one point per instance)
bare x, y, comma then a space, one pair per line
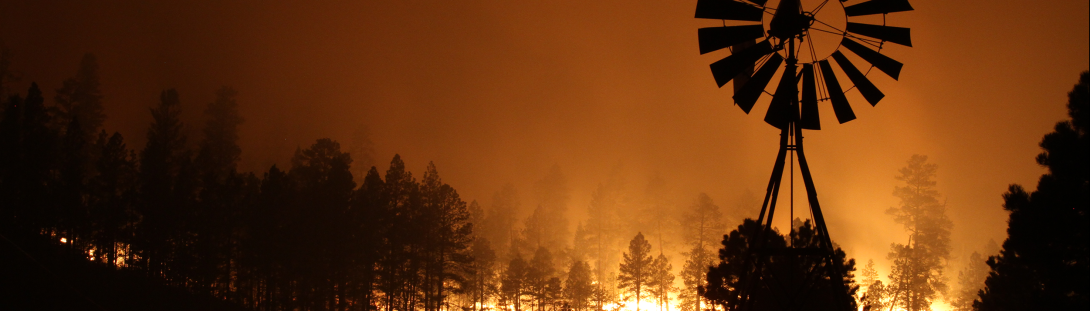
499, 91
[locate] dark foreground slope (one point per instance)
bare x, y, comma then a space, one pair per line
38, 275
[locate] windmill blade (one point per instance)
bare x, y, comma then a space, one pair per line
810, 118
758, 2
743, 77
727, 68
841, 107
878, 7
865, 87
716, 38
728, 9
888, 65
751, 91
782, 111
896, 35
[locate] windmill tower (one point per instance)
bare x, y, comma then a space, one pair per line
770, 35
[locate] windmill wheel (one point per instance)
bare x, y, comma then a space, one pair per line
800, 32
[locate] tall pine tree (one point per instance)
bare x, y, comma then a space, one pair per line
163, 188
917, 279
636, 268
1045, 262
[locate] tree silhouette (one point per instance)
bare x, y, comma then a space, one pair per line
322, 226
661, 283
112, 198
221, 193
694, 277
370, 215
657, 216
27, 159
398, 263
547, 225
702, 224
538, 275
481, 275
783, 274
636, 271
600, 235
1045, 262
917, 275
498, 226
80, 98
875, 296
969, 282
579, 287
513, 285
448, 238
163, 189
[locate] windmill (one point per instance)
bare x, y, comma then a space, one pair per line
766, 37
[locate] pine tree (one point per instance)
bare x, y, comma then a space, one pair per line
112, 198
368, 211
449, 235
656, 216
970, 281
220, 190
874, 297
482, 275
398, 262
694, 277
547, 225
71, 189
636, 268
726, 279
27, 157
662, 281
513, 285
537, 277
579, 286
499, 225
600, 236
702, 224
219, 150
80, 98
163, 196
917, 275
324, 180
1045, 262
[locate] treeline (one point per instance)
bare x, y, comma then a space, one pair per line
304, 238
311, 236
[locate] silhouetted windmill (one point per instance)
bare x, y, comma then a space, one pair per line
787, 33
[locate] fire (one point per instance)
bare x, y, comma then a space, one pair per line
645, 304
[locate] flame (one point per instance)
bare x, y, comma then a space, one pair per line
645, 304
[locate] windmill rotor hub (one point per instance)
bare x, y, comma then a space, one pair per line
789, 20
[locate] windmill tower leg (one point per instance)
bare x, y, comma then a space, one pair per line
768, 208
819, 224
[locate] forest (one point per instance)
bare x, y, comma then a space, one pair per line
90, 223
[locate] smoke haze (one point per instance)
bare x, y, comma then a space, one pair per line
498, 92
